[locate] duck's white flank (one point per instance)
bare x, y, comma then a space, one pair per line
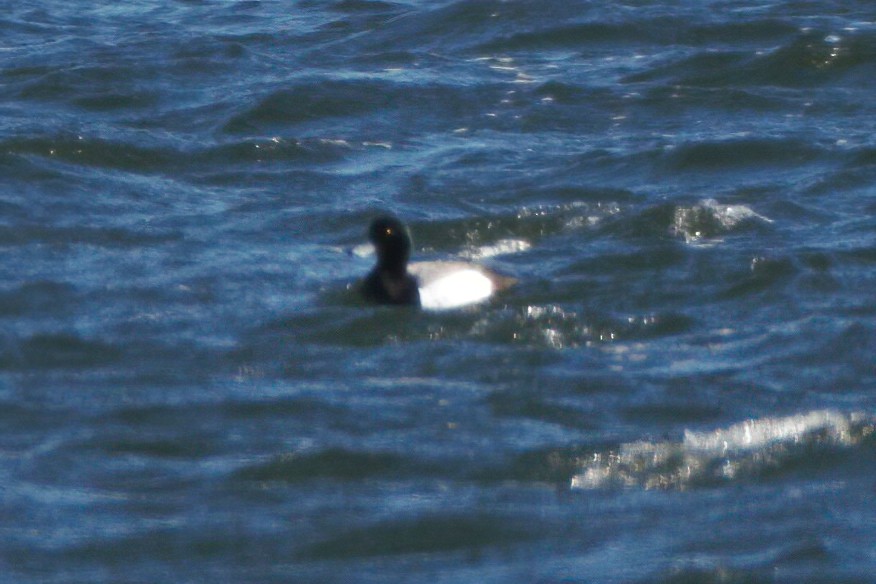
448, 285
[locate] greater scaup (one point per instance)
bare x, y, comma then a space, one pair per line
431, 285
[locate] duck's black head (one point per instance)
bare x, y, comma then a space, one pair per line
389, 282
392, 242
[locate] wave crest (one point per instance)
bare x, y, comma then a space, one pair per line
745, 450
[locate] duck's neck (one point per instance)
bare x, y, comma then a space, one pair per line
393, 263
393, 268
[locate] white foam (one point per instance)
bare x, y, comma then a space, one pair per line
744, 449
501, 247
709, 218
363, 250
757, 434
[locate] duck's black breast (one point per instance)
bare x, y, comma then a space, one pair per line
382, 287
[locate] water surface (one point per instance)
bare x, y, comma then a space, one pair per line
681, 388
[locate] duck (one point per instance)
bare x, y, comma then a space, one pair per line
432, 285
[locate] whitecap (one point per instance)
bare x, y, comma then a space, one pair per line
501, 247
746, 449
709, 219
363, 250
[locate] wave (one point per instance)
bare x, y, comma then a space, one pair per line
334, 463
745, 451
312, 101
41, 297
708, 219
109, 237
426, 534
737, 153
606, 28
809, 59
90, 152
130, 155
57, 351
387, 101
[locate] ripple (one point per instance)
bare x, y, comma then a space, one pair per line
765, 273
43, 297
338, 464
57, 351
758, 153
326, 101
93, 152
810, 58
427, 534
103, 237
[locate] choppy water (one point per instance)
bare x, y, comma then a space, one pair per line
681, 388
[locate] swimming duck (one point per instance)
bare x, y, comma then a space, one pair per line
430, 285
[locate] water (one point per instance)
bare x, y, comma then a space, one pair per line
681, 387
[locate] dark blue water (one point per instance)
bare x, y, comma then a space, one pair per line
681, 387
